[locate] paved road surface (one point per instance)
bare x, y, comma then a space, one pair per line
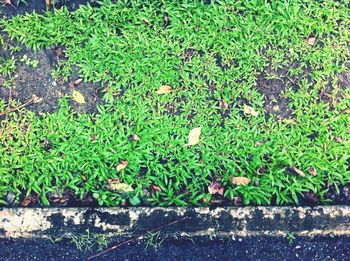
261, 248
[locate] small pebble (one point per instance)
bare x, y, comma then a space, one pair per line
54, 83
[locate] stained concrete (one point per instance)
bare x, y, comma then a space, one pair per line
222, 222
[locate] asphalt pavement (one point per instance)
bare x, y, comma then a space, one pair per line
201, 248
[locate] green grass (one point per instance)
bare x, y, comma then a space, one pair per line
85, 242
153, 240
116, 46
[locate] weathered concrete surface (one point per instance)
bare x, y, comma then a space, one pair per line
222, 222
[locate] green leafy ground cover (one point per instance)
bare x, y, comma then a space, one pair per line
217, 58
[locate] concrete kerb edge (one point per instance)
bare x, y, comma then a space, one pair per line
218, 222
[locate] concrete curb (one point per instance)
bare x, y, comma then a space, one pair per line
218, 222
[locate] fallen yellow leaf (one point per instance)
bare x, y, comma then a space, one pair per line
193, 137
146, 21
116, 186
123, 164
164, 89
78, 97
289, 121
239, 181
250, 110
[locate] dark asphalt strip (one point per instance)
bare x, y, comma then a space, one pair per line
253, 248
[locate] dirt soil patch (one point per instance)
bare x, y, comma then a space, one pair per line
39, 6
37, 80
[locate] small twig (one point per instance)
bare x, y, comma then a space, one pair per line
136, 238
8, 110
10, 99
34, 99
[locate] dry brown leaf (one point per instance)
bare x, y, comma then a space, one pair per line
297, 171
164, 89
135, 137
347, 111
311, 40
250, 110
164, 160
29, 200
8, 2
312, 171
155, 188
26, 201
239, 181
116, 186
60, 198
237, 201
311, 197
193, 137
339, 139
123, 164
78, 97
114, 180
223, 104
77, 81
59, 51
216, 188
48, 3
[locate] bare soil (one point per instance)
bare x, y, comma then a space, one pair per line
39, 6
38, 81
